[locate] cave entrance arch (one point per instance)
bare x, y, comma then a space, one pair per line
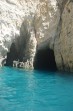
45, 60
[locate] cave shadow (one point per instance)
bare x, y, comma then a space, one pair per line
45, 60
12, 55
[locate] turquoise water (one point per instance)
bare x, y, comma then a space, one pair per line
35, 90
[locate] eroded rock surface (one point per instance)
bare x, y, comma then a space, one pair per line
35, 25
12, 15
64, 43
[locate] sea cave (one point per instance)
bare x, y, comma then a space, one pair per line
45, 60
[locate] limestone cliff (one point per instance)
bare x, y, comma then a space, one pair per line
27, 27
64, 42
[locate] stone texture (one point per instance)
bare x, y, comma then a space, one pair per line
12, 15
64, 43
37, 24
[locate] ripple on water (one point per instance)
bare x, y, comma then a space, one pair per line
22, 90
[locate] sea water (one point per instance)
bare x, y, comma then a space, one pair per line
23, 90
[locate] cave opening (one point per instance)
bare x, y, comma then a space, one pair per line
45, 60
12, 55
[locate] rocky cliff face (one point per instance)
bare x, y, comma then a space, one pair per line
12, 30
64, 42
27, 27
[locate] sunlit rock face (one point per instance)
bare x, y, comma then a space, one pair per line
64, 42
12, 15
46, 22
42, 17
33, 25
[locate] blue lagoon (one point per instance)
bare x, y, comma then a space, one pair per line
22, 90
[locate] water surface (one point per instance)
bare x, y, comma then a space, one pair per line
22, 90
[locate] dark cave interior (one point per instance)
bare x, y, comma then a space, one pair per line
11, 56
45, 60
